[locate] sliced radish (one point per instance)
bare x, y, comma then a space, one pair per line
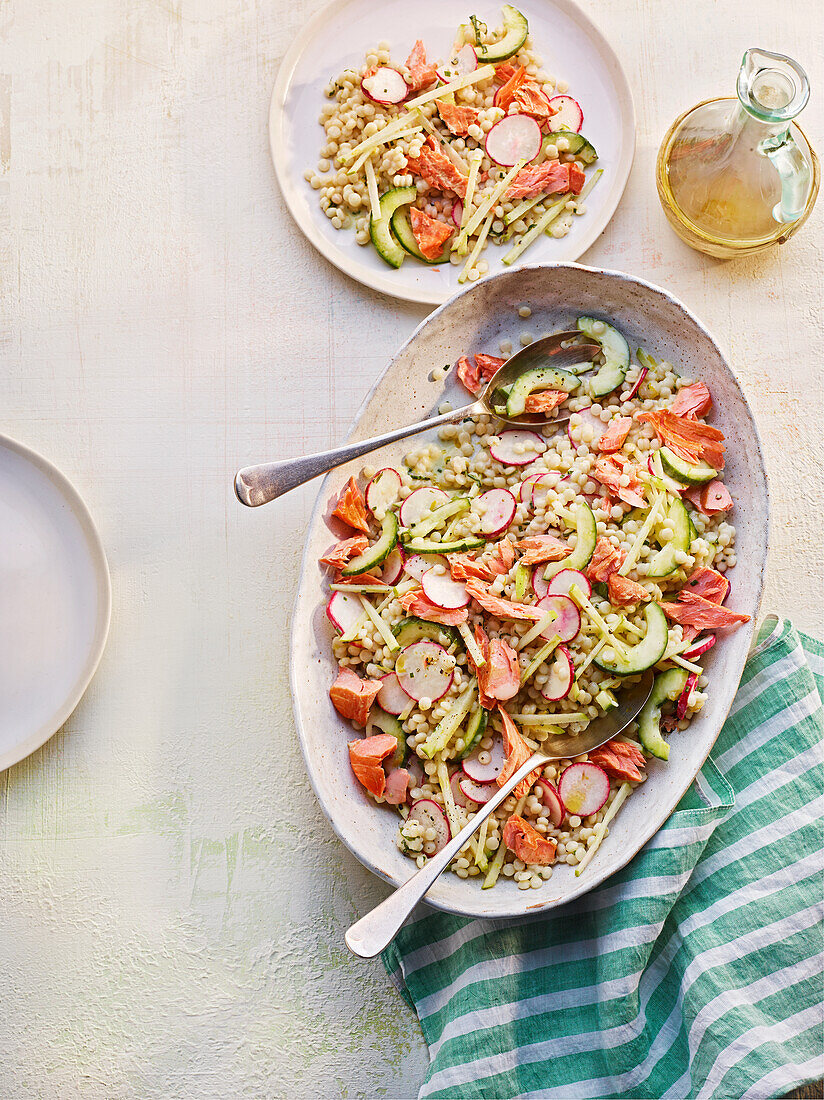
514, 138
343, 611
497, 510
525, 488
476, 792
425, 670
385, 85
457, 213
441, 590
563, 581
552, 800
701, 646
539, 586
540, 487
392, 567
583, 788
561, 673
485, 773
517, 448
638, 383
568, 623
420, 504
568, 114
684, 698
391, 697
383, 490
590, 420
459, 798
431, 816
463, 62
417, 564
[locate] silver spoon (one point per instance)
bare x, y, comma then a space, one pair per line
256, 485
372, 933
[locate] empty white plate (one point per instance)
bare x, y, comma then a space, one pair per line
55, 600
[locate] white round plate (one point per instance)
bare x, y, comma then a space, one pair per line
476, 320
338, 37
55, 600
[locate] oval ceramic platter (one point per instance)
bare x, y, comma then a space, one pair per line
477, 320
338, 37
55, 600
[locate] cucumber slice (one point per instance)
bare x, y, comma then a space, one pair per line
380, 230
475, 729
647, 653
428, 546
667, 685
539, 378
587, 531
686, 472
413, 629
378, 552
388, 723
584, 150
664, 561
402, 230
516, 28
616, 352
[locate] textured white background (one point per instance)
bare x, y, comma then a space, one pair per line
171, 902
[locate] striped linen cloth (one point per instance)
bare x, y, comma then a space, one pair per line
694, 972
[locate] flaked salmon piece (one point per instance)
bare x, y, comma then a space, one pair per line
464, 566
474, 377
341, 552
616, 434
457, 119
361, 578
619, 760
692, 401
502, 609
710, 499
502, 558
606, 559
351, 507
545, 401
689, 439
416, 603
549, 178
540, 548
500, 678
608, 469
623, 591
693, 610
504, 72
366, 756
429, 233
709, 583
397, 785
527, 843
577, 179
488, 364
421, 75
517, 754
437, 169
353, 697
508, 90
528, 99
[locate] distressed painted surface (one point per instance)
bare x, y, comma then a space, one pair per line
172, 904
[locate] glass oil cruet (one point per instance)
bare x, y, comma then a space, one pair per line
738, 175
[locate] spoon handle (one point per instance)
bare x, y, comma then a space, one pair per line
256, 485
372, 933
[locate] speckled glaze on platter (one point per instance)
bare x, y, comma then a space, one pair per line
477, 319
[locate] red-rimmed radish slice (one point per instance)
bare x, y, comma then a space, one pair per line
441, 590
485, 773
552, 800
639, 381
513, 138
383, 490
477, 792
568, 623
561, 673
417, 564
392, 567
539, 586
700, 647
385, 85
457, 213
563, 581
583, 788
425, 670
343, 611
517, 447
588, 420
684, 698
568, 114
458, 797
497, 510
540, 487
525, 488
431, 816
391, 697
420, 504
460, 63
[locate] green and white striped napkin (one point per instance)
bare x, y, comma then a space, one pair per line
694, 972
